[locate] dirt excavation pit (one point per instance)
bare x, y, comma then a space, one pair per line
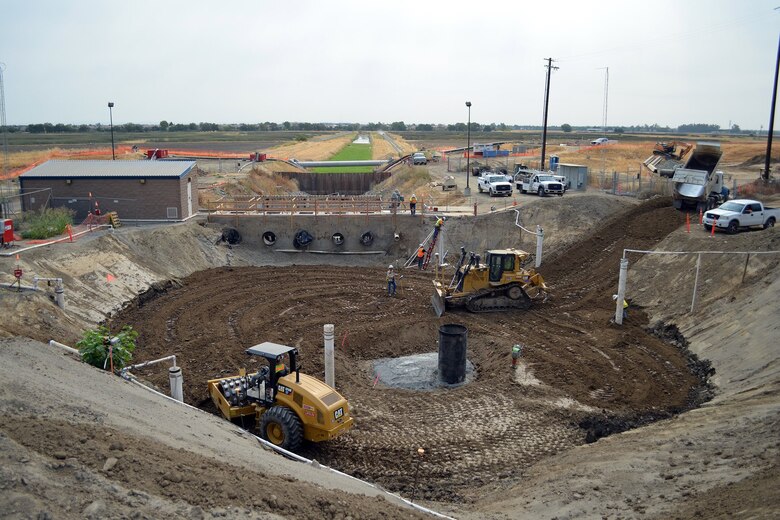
579, 377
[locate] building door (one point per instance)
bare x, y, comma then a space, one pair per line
189, 197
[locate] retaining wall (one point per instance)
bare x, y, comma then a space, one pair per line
344, 183
411, 231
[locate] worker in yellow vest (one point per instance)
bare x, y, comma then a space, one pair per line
413, 204
625, 306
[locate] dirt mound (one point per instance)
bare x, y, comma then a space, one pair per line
149, 469
492, 428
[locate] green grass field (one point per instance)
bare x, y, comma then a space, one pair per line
351, 152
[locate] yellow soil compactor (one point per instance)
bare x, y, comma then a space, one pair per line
284, 404
501, 283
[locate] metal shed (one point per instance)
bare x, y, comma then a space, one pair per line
136, 190
576, 176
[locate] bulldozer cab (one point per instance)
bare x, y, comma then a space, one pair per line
282, 360
503, 261
498, 263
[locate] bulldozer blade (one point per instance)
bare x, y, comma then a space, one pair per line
438, 304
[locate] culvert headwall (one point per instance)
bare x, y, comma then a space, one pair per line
330, 234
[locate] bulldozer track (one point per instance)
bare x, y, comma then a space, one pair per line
498, 299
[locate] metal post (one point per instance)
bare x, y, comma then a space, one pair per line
621, 295
440, 242
111, 119
696, 281
330, 376
177, 382
744, 272
59, 294
539, 241
467, 191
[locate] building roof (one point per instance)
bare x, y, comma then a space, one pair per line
59, 169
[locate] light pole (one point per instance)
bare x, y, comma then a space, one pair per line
467, 191
111, 119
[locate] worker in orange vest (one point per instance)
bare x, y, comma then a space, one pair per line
420, 256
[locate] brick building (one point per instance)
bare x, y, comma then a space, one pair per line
136, 190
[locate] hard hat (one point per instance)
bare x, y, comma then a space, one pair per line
413, 195
391, 266
614, 296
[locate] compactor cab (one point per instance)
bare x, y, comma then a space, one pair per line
501, 283
286, 405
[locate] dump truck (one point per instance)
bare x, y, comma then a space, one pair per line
501, 283
697, 182
284, 404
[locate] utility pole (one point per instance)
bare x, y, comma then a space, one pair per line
546, 102
604, 118
3, 203
772, 118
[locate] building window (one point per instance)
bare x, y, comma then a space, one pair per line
173, 213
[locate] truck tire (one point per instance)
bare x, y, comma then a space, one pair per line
479, 187
733, 227
707, 227
523, 190
541, 191
770, 222
490, 193
280, 426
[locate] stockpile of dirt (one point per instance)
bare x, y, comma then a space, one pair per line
477, 434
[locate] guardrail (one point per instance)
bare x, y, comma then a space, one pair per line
313, 205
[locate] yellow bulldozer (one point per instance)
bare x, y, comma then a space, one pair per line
501, 283
285, 405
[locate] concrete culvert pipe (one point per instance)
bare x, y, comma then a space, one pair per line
269, 238
302, 239
453, 340
231, 236
367, 238
337, 238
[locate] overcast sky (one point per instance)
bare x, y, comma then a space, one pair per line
670, 62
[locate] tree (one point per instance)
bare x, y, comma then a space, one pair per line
99, 349
164, 125
735, 129
398, 126
566, 127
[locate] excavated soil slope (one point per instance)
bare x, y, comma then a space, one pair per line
490, 430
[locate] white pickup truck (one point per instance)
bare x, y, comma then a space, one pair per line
494, 184
540, 183
740, 213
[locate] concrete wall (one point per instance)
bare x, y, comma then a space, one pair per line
344, 183
412, 231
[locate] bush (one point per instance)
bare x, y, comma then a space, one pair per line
94, 348
48, 222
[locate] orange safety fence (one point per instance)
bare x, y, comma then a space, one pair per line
65, 154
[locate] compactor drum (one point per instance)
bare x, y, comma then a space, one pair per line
501, 283
284, 404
